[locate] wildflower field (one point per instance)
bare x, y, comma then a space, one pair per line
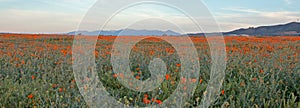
36, 71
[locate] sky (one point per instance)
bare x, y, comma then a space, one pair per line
58, 16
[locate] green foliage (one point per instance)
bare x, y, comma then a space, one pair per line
255, 78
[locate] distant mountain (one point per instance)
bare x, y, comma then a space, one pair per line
289, 29
126, 32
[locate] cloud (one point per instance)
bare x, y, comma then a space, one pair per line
237, 17
65, 15
150, 17
288, 1
241, 9
37, 21
71, 4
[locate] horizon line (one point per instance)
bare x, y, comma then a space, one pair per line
66, 32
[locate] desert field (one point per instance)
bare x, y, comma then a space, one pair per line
36, 71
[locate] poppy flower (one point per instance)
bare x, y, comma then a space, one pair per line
54, 85
261, 71
138, 69
23, 62
146, 100
178, 65
156, 101
223, 92
193, 80
167, 76
146, 95
137, 77
60, 90
201, 80
30, 96
183, 80
115, 75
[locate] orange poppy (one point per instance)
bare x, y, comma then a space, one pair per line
158, 101
201, 80
261, 71
138, 69
115, 75
254, 79
167, 76
223, 92
54, 85
60, 90
193, 80
137, 77
30, 96
183, 80
178, 64
146, 100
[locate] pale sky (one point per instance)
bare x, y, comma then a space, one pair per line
46, 16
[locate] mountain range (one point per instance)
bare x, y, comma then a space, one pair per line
289, 29
126, 32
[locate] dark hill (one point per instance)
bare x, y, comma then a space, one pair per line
289, 29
